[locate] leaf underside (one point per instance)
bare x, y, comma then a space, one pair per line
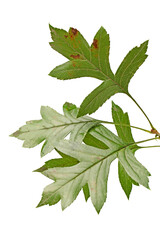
53, 127
92, 169
84, 165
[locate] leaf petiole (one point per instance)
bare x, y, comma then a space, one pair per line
126, 125
142, 111
143, 141
151, 146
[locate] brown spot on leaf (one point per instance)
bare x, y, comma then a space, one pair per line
75, 56
95, 43
74, 31
66, 36
154, 131
70, 74
73, 64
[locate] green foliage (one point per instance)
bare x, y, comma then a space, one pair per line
65, 161
124, 132
90, 148
86, 61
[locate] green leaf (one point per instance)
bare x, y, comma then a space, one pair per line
100, 53
69, 43
125, 180
66, 161
92, 169
94, 142
121, 119
76, 69
97, 97
86, 61
53, 127
86, 191
124, 132
130, 65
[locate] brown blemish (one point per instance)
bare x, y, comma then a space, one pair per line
75, 56
154, 131
95, 43
74, 31
65, 36
70, 74
96, 55
74, 64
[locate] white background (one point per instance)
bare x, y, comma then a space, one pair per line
26, 59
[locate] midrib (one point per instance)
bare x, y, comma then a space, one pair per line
105, 75
104, 158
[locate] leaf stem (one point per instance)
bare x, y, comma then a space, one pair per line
142, 111
151, 146
147, 140
126, 125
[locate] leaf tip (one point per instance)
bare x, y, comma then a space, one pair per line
69, 106
51, 28
148, 187
145, 46
50, 43
50, 74
128, 195
39, 205
102, 28
41, 169
113, 104
15, 134
42, 154
42, 108
98, 210
146, 42
98, 207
